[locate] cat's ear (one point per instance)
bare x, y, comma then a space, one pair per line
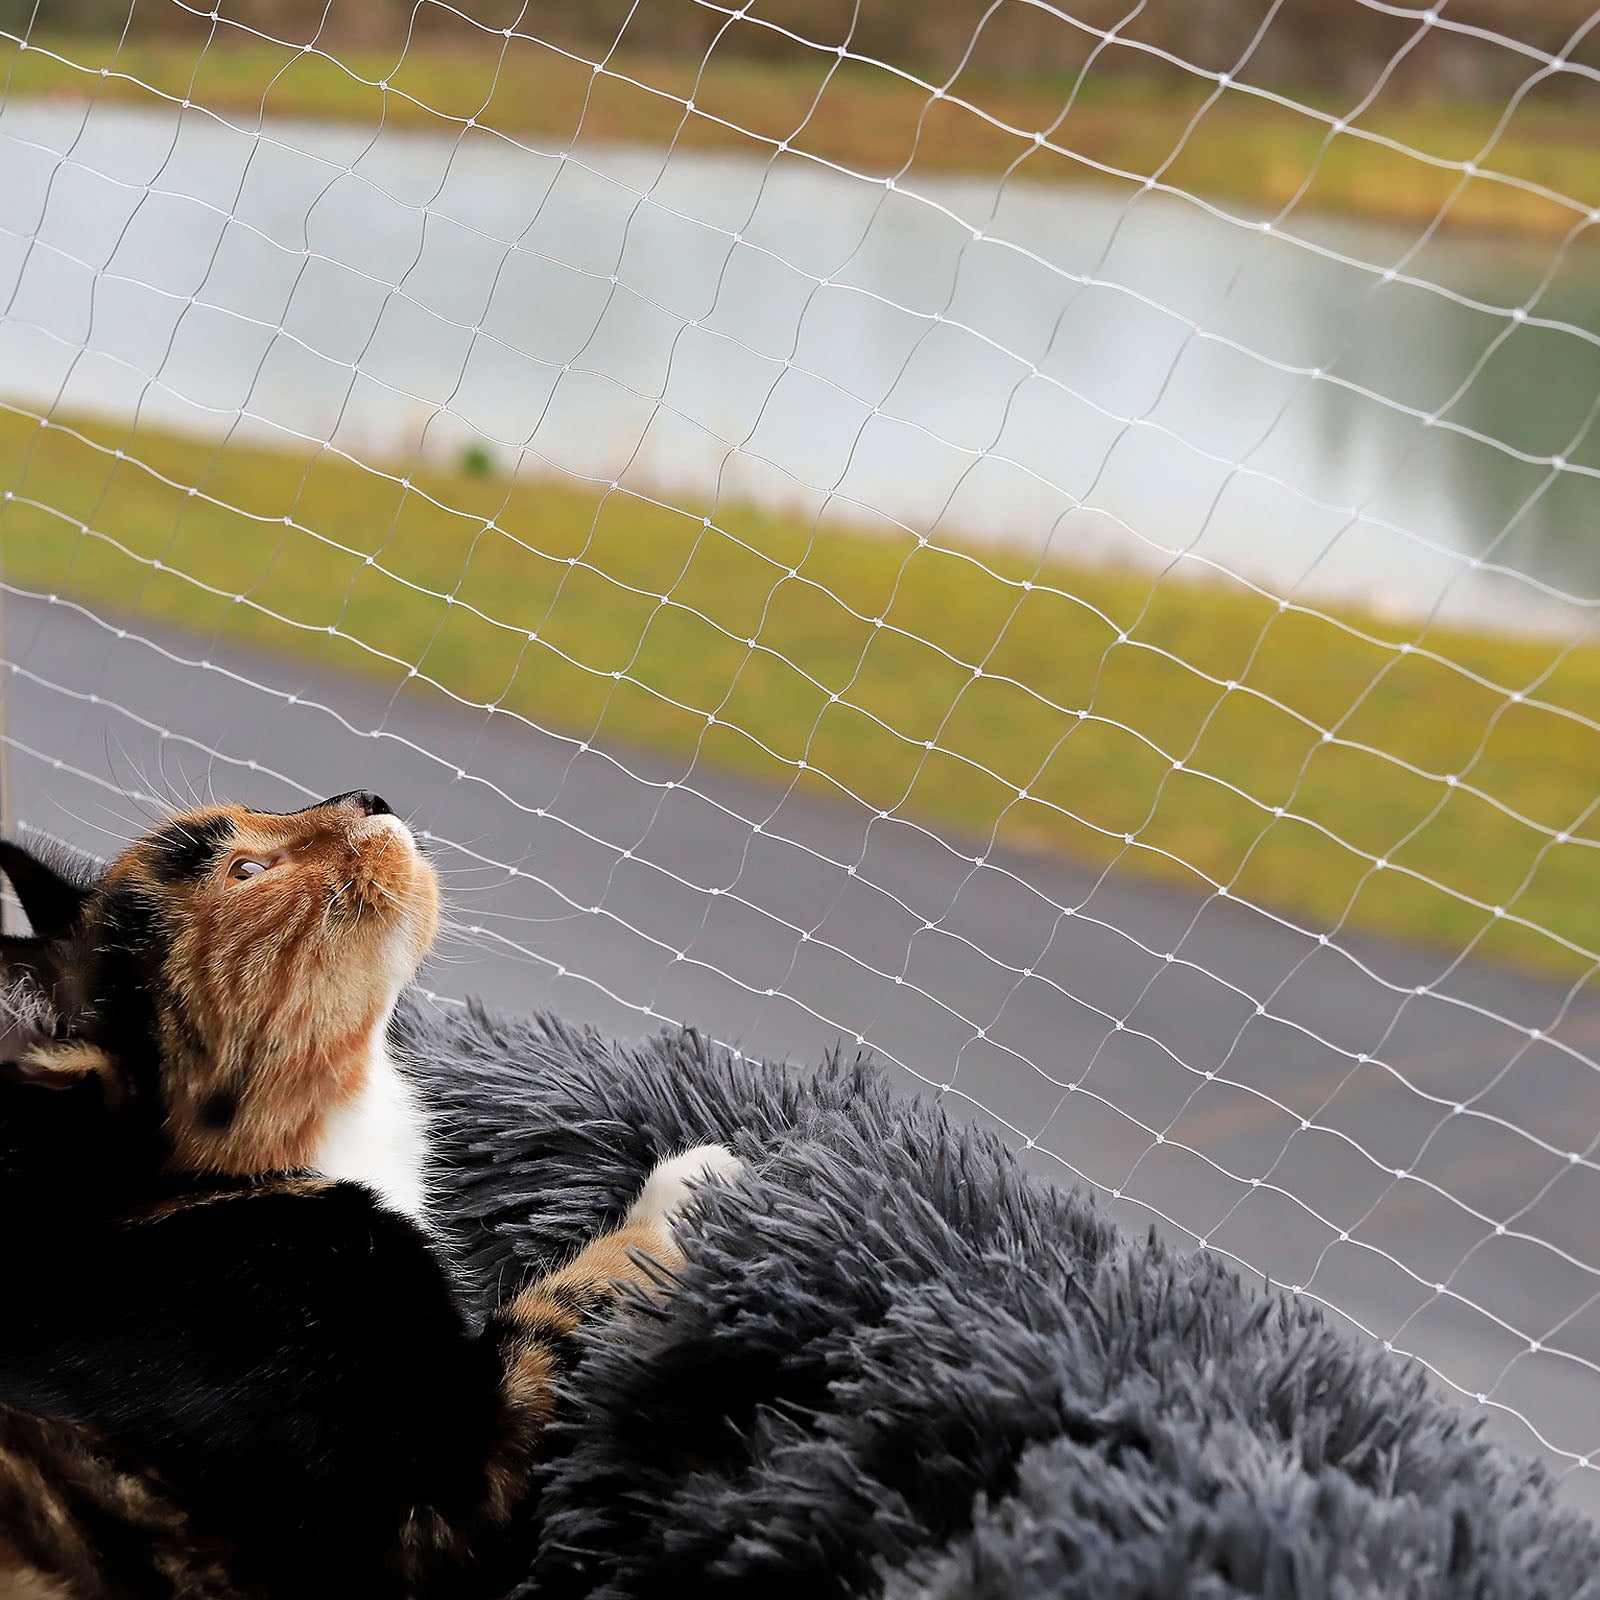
53, 902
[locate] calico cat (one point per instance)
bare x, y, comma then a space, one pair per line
231, 1362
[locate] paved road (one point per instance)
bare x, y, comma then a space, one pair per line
1251, 1086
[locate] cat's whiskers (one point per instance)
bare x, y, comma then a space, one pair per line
516, 916
388, 839
447, 958
413, 903
121, 838
166, 781
332, 902
189, 788
146, 791
132, 824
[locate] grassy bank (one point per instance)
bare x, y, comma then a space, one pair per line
604, 614
1243, 149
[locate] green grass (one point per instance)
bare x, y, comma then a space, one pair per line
609, 616
1242, 149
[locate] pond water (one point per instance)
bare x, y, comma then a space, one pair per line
1138, 381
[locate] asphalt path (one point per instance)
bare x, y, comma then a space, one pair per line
1409, 1140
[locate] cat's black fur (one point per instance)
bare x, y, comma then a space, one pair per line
227, 1383
289, 1360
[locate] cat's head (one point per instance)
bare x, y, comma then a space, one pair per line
226, 981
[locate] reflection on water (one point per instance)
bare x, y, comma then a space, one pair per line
1135, 382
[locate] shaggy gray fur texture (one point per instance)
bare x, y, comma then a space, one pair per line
898, 1366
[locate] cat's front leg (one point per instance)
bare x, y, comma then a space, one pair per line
534, 1337
539, 1324
672, 1184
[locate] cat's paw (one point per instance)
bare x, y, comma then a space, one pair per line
673, 1182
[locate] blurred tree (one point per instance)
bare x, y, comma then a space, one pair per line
1335, 47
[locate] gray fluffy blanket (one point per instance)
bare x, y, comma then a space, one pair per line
898, 1366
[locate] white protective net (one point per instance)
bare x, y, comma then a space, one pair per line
1000, 534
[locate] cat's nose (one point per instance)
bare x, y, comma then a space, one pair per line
364, 800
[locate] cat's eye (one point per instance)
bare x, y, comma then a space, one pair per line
245, 867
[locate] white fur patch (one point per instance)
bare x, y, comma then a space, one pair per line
26, 1018
672, 1183
380, 1139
